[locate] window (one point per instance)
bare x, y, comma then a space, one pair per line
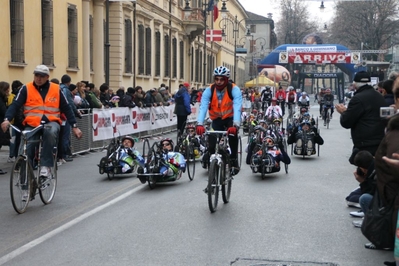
128, 46
91, 40
157, 54
181, 48
47, 33
72, 37
197, 65
148, 51
140, 37
253, 28
192, 64
174, 47
200, 67
17, 31
167, 56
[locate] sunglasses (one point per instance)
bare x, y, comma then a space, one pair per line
191, 130
165, 144
219, 79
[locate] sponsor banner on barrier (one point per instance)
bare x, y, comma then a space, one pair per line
124, 121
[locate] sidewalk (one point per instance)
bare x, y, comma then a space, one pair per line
4, 152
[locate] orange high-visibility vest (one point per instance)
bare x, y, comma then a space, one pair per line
222, 109
35, 108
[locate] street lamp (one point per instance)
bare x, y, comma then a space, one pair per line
253, 51
236, 28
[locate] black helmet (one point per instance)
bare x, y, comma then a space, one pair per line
129, 138
168, 140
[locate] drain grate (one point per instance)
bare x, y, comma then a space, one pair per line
265, 262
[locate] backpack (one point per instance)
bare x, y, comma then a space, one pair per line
229, 88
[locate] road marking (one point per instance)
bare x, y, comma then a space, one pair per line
34, 243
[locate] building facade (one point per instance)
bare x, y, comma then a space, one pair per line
123, 43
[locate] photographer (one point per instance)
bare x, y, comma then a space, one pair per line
362, 116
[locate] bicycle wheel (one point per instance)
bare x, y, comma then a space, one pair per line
213, 186
239, 150
328, 119
21, 183
146, 149
190, 160
48, 185
226, 181
152, 162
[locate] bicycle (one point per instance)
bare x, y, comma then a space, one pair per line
219, 171
185, 146
327, 116
24, 183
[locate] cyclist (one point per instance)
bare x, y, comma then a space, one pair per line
198, 147
42, 102
257, 98
303, 101
280, 96
276, 154
273, 111
223, 100
172, 161
127, 155
320, 98
312, 136
266, 97
291, 99
328, 103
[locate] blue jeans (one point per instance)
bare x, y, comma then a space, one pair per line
365, 201
66, 140
14, 143
50, 137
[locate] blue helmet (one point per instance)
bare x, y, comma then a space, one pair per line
305, 122
306, 114
221, 71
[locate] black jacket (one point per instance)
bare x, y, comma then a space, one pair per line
127, 101
363, 117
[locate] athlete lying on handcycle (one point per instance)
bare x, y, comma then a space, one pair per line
306, 132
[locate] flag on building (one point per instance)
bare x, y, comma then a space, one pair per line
213, 6
213, 35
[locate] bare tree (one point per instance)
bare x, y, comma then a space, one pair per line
371, 23
295, 23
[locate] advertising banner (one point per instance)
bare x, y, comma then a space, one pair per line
319, 58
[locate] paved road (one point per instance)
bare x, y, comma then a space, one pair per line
299, 216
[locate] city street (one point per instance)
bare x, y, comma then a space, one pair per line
297, 217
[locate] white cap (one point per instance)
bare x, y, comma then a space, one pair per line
42, 69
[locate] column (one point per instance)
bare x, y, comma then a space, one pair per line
86, 39
98, 43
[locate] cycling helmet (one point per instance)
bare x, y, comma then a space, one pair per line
305, 122
268, 87
129, 138
306, 114
274, 99
304, 93
255, 112
277, 120
190, 127
269, 141
304, 110
167, 140
221, 71
328, 90
290, 88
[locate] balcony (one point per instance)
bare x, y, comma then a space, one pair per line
194, 24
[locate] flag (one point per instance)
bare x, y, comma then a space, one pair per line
215, 13
211, 3
213, 35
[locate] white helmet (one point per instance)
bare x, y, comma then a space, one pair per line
221, 71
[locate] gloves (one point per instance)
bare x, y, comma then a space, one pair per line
200, 130
232, 131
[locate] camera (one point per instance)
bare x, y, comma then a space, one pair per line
387, 111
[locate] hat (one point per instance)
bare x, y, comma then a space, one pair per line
152, 90
65, 79
186, 84
72, 87
362, 76
115, 98
162, 89
130, 90
42, 69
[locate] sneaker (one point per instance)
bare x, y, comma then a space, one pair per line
359, 214
44, 171
59, 163
357, 223
235, 169
205, 160
62, 161
10, 160
25, 195
372, 246
353, 204
310, 147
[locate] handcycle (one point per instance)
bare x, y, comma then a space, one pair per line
154, 161
304, 149
25, 181
185, 145
220, 171
117, 156
327, 115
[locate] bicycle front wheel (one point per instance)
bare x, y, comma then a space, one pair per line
190, 161
239, 155
226, 180
21, 183
213, 186
48, 185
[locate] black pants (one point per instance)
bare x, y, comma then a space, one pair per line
219, 124
181, 123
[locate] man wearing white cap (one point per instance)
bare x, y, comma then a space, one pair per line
42, 101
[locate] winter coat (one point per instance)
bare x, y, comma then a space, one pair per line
363, 117
182, 102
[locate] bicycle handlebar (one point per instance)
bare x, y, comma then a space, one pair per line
24, 132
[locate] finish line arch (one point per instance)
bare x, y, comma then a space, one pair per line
338, 76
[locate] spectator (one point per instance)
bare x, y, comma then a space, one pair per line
4, 136
120, 92
139, 96
386, 91
362, 116
54, 80
128, 99
182, 107
17, 121
159, 97
91, 96
80, 96
104, 96
150, 98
